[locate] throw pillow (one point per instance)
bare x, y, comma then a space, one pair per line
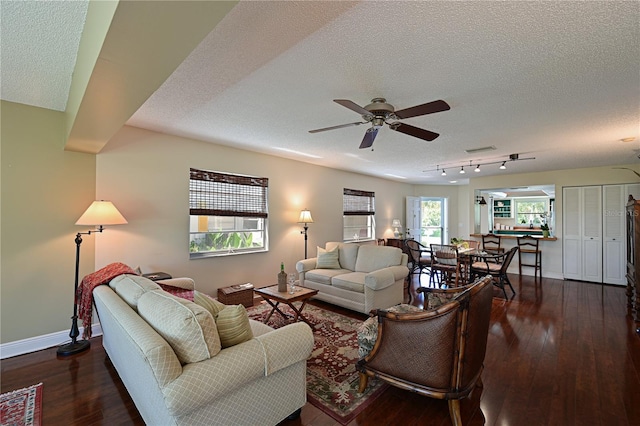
186, 326
368, 330
209, 303
328, 259
233, 325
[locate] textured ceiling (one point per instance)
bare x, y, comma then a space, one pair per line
558, 81
39, 46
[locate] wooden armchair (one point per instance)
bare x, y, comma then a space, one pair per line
437, 353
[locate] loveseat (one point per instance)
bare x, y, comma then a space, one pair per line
181, 366
360, 277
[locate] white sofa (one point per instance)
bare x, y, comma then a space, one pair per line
260, 381
365, 277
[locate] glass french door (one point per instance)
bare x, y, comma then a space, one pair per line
433, 226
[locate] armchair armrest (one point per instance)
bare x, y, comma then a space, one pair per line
182, 282
306, 265
286, 346
383, 278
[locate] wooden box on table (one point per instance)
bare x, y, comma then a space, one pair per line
239, 294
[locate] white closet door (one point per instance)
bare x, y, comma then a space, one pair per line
592, 233
572, 240
414, 219
614, 257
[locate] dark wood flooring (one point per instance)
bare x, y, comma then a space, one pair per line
559, 353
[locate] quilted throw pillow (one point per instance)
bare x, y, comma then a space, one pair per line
328, 259
368, 330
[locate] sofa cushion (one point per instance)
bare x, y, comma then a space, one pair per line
372, 258
233, 326
209, 303
324, 276
327, 259
353, 281
131, 287
186, 326
348, 254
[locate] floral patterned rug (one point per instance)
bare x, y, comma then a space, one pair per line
332, 380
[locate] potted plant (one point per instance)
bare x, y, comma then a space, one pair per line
545, 230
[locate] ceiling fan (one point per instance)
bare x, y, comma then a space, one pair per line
379, 112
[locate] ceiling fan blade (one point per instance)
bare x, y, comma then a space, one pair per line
369, 137
428, 108
340, 126
413, 131
352, 106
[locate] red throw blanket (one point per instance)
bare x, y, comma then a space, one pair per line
84, 298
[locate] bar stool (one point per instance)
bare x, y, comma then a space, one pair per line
529, 245
491, 243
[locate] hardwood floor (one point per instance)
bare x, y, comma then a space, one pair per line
559, 353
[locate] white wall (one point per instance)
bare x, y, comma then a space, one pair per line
146, 175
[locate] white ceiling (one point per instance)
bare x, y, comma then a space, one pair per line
558, 81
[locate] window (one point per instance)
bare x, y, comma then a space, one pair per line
531, 211
358, 215
228, 214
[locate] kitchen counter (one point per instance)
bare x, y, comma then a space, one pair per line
513, 234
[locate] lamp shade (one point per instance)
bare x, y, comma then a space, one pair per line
305, 217
396, 223
101, 213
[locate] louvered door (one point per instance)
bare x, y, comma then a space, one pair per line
592, 233
571, 229
613, 248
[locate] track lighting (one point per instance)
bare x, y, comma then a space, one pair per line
479, 163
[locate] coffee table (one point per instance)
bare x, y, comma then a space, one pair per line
271, 295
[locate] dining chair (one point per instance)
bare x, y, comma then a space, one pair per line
445, 262
419, 256
496, 265
473, 244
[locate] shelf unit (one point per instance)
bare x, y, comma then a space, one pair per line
504, 210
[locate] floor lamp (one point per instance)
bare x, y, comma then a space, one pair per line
305, 218
98, 214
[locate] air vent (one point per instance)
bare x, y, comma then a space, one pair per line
484, 148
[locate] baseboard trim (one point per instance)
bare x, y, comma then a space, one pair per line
38, 343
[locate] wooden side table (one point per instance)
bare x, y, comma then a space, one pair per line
157, 276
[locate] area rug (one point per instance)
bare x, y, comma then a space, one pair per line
22, 407
332, 379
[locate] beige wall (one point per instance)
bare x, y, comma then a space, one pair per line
44, 191
146, 175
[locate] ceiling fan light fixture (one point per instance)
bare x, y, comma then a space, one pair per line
503, 167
